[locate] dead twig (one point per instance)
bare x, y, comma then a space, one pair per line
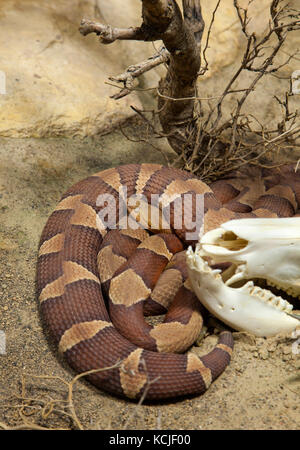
45, 408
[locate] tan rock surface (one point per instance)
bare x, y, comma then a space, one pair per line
55, 78
225, 53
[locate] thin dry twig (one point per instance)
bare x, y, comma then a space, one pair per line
143, 397
46, 408
206, 46
129, 77
225, 145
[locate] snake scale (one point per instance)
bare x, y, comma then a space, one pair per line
96, 284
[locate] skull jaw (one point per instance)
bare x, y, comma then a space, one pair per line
236, 307
258, 248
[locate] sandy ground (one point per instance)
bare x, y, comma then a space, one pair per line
259, 390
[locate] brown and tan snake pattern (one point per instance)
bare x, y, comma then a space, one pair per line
96, 285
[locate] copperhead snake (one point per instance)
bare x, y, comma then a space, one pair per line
94, 285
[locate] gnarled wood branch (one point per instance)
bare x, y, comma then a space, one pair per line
214, 144
162, 19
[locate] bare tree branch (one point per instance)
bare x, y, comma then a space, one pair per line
180, 80
193, 18
210, 145
128, 78
162, 19
205, 67
109, 34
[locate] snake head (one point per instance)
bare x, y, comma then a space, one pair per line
259, 250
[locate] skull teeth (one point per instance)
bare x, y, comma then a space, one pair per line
239, 275
200, 264
268, 297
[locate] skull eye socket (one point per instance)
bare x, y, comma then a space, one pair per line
231, 241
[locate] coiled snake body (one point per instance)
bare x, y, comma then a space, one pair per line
94, 285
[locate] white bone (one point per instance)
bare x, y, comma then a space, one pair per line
268, 249
236, 277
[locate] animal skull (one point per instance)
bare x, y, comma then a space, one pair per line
267, 249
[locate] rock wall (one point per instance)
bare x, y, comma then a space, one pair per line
55, 78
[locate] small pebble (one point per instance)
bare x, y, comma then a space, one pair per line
263, 353
272, 347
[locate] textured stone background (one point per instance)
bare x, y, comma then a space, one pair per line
56, 77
